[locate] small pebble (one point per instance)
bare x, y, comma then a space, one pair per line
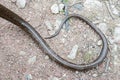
73, 52
85, 36
61, 7
51, 32
76, 72
63, 40
117, 34
78, 6
49, 25
88, 56
93, 4
21, 3
64, 36
115, 11
99, 43
115, 48
103, 27
57, 24
29, 77
32, 60
22, 53
94, 75
55, 9
46, 57
64, 75
111, 40
53, 78
116, 60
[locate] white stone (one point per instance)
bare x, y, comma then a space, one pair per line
118, 24
103, 27
85, 36
64, 75
111, 40
114, 10
22, 53
64, 36
46, 57
55, 8
116, 60
115, 48
51, 32
73, 52
99, 43
29, 77
93, 4
63, 40
54, 78
49, 25
77, 72
95, 75
57, 24
61, 7
21, 3
32, 60
117, 34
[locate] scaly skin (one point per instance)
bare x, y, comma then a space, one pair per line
7, 14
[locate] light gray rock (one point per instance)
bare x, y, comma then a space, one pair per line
117, 34
103, 27
53, 78
46, 57
78, 6
63, 40
22, 53
115, 11
51, 32
29, 77
55, 8
116, 60
61, 7
32, 60
76, 72
64, 75
114, 48
94, 4
95, 75
111, 40
21, 3
57, 24
73, 52
49, 25
50, 28
99, 43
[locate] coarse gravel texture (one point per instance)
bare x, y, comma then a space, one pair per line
21, 58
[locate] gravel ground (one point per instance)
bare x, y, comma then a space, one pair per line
21, 58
